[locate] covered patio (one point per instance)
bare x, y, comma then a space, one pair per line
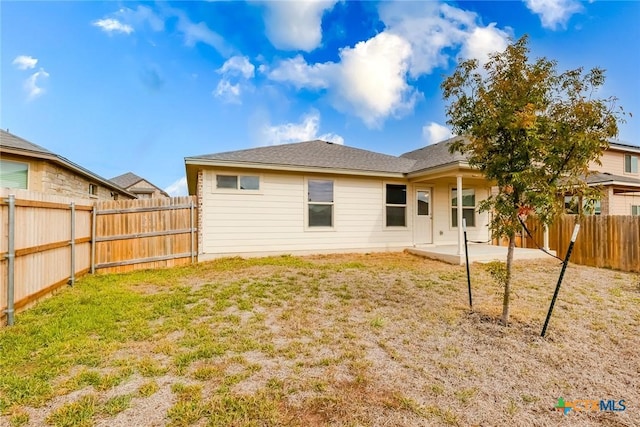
477, 253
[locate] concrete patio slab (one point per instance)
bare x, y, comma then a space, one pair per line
477, 253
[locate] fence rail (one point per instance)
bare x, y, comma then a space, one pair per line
611, 241
47, 241
148, 233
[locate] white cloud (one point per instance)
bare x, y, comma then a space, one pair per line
111, 25
295, 25
200, 33
372, 79
306, 130
554, 14
178, 188
140, 16
238, 65
434, 132
228, 92
435, 29
24, 62
297, 72
235, 71
31, 84
369, 81
429, 27
481, 42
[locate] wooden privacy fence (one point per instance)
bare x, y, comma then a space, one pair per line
147, 233
47, 241
610, 241
45, 244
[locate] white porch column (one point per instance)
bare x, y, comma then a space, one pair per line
545, 238
459, 205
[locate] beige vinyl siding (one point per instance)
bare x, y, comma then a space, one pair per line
443, 232
272, 220
621, 204
613, 163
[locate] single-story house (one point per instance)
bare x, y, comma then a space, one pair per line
25, 165
139, 186
316, 196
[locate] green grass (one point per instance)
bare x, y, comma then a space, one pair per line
307, 341
76, 414
148, 389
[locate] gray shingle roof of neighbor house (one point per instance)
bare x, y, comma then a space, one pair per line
9, 140
322, 154
608, 178
13, 144
128, 179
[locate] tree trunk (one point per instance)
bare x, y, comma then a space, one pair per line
507, 282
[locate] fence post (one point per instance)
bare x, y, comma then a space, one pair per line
11, 258
191, 223
93, 238
72, 277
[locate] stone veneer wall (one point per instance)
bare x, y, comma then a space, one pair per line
57, 180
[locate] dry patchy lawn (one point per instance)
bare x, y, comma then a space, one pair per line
375, 339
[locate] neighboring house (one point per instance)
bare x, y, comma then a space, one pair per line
619, 177
317, 196
139, 186
321, 197
25, 165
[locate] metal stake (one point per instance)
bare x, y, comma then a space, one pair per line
564, 267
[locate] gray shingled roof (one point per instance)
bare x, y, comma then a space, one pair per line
318, 154
10, 140
126, 179
607, 178
434, 155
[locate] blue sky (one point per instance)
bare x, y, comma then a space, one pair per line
129, 86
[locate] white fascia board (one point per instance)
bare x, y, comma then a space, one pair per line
290, 168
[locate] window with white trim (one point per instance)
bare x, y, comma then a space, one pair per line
238, 182
635, 210
320, 203
630, 163
468, 207
14, 174
571, 205
396, 205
